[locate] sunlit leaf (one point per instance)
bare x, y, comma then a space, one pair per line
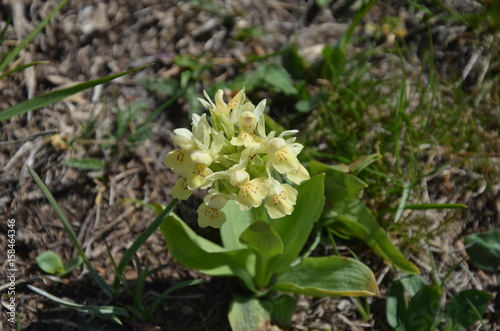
248, 314
265, 242
294, 229
356, 220
237, 221
339, 185
198, 253
328, 276
50, 262
263, 239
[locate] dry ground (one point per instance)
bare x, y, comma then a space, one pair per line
90, 39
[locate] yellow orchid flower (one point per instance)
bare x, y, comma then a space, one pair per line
232, 155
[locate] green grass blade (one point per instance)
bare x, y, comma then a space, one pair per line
72, 236
14, 52
424, 206
402, 203
51, 97
22, 67
177, 286
145, 235
103, 311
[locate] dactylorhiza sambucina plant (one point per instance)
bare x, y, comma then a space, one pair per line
264, 221
235, 158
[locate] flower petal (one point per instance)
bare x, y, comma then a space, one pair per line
280, 205
208, 216
298, 174
252, 193
181, 190
179, 161
197, 176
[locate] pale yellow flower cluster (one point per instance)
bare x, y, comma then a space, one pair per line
234, 158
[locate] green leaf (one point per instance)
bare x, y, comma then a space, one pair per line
86, 164
72, 265
339, 185
107, 312
262, 239
198, 253
328, 276
237, 222
50, 262
53, 96
281, 307
356, 220
413, 283
265, 242
465, 309
396, 304
484, 249
248, 314
294, 229
423, 310
277, 77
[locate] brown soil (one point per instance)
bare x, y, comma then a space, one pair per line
89, 39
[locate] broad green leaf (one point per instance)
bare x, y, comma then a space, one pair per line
294, 229
50, 262
413, 283
339, 185
86, 164
237, 222
263, 239
423, 310
72, 265
328, 276
465, 309
281, 307
198, 253
248, 314
265, 242
357, 220
53, 96
484, 249
107, 312
396, 305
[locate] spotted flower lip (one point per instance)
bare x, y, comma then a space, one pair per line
232, 155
